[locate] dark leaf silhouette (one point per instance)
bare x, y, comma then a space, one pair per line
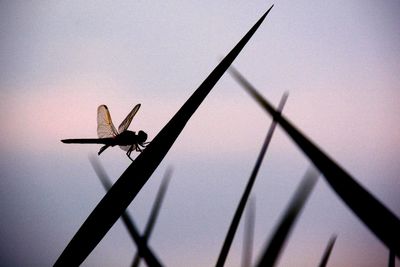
140, 241
277, 242
239, 210
380, 220
154, 212
391, 259
327, 251
136, 175
249, 233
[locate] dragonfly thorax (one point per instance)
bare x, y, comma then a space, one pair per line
130, 138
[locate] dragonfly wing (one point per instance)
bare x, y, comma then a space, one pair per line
105, 126
125, 124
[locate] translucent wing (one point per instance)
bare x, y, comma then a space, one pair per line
105, 127
125, 124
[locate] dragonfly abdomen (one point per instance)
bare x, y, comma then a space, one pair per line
106, 141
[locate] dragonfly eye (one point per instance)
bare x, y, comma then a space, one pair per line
142, 136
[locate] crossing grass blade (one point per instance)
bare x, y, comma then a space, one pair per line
140, 241
327, 251
379, 219
278, 240
154, 213
240, 208
121, 194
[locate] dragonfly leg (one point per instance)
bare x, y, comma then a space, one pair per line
102, 149
128, 153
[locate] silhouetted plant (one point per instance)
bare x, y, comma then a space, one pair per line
284, 227
140, 241
379, 219
121, 194
239, 210
327, 251
154, 212
391, 259
248, 234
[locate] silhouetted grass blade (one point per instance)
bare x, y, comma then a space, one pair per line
391, 258
101, 173
380, 220
327, 251
140, 241
273, 249
249, 233
154, 212
136, 175
239, 210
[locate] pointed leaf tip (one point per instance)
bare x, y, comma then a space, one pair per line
269, 9
125, 189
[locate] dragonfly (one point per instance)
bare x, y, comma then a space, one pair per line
108, 135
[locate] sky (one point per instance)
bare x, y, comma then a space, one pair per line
60, 60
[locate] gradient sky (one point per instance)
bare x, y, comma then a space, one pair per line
59, 60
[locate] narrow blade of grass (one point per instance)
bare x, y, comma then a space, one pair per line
379, 219
121, 194
154, 213
327, 251
249, 233
140, 241
391, 259
278, 240
239, 210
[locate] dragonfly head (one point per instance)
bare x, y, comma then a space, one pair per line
141, 137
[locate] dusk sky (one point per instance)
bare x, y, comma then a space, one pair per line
59, 60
